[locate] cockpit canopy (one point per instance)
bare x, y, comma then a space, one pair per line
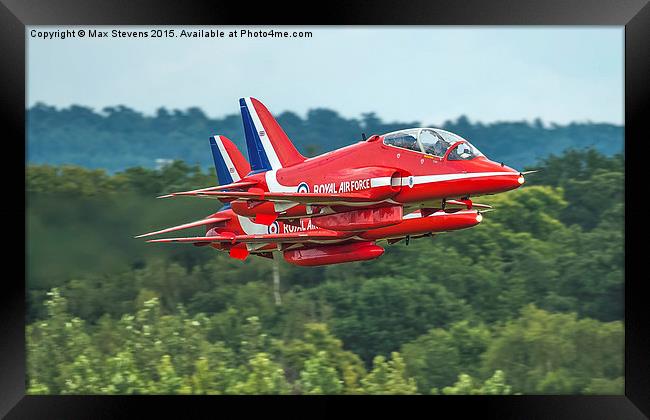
433, 141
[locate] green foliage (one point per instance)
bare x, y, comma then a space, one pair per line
432, 359
530, 301
471, 342
347, 363
265, 377
59, 349
592, 183
319, 377
543, 352
122, 376
534, 210
168, 382
539, 353
388, 310
601, 386
119, 137
466, 385
388, 377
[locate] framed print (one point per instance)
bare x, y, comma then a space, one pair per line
427, 202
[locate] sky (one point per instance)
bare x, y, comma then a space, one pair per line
426, 74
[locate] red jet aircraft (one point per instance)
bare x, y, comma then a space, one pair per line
335, 207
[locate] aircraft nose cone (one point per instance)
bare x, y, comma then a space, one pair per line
515, 178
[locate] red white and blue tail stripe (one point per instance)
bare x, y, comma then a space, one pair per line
230, 164
269, 148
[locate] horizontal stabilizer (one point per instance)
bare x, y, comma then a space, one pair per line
202, 222
306, 236
234, 185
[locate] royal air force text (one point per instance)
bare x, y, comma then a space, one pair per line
343, 187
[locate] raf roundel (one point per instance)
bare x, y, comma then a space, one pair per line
274, 228
303, 188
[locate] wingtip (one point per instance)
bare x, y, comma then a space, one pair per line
482, 206
143, 235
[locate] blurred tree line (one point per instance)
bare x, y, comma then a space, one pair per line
120, 137
530, 301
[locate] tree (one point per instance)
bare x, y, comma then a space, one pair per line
265, 377
389, 377
216, 371
253, 339
591, 270
544, 352
61, 355
590, 198
122, 376
496, 385
168, 381
388, 311
601, 386
203, 379
471, 341
317, 339
432, 359
466, 385
319, 377
81, 377
534, 209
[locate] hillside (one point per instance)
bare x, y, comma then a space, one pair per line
119, 137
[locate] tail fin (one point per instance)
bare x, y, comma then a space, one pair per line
230, 164
268, 145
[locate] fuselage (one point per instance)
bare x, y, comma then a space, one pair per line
406, 191
398, 176
413, 224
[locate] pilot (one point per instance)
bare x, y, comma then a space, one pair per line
463, 151
407, 142
441, 147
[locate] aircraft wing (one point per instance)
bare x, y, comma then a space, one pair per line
303, 198
305, 236
234, 185
202, 222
